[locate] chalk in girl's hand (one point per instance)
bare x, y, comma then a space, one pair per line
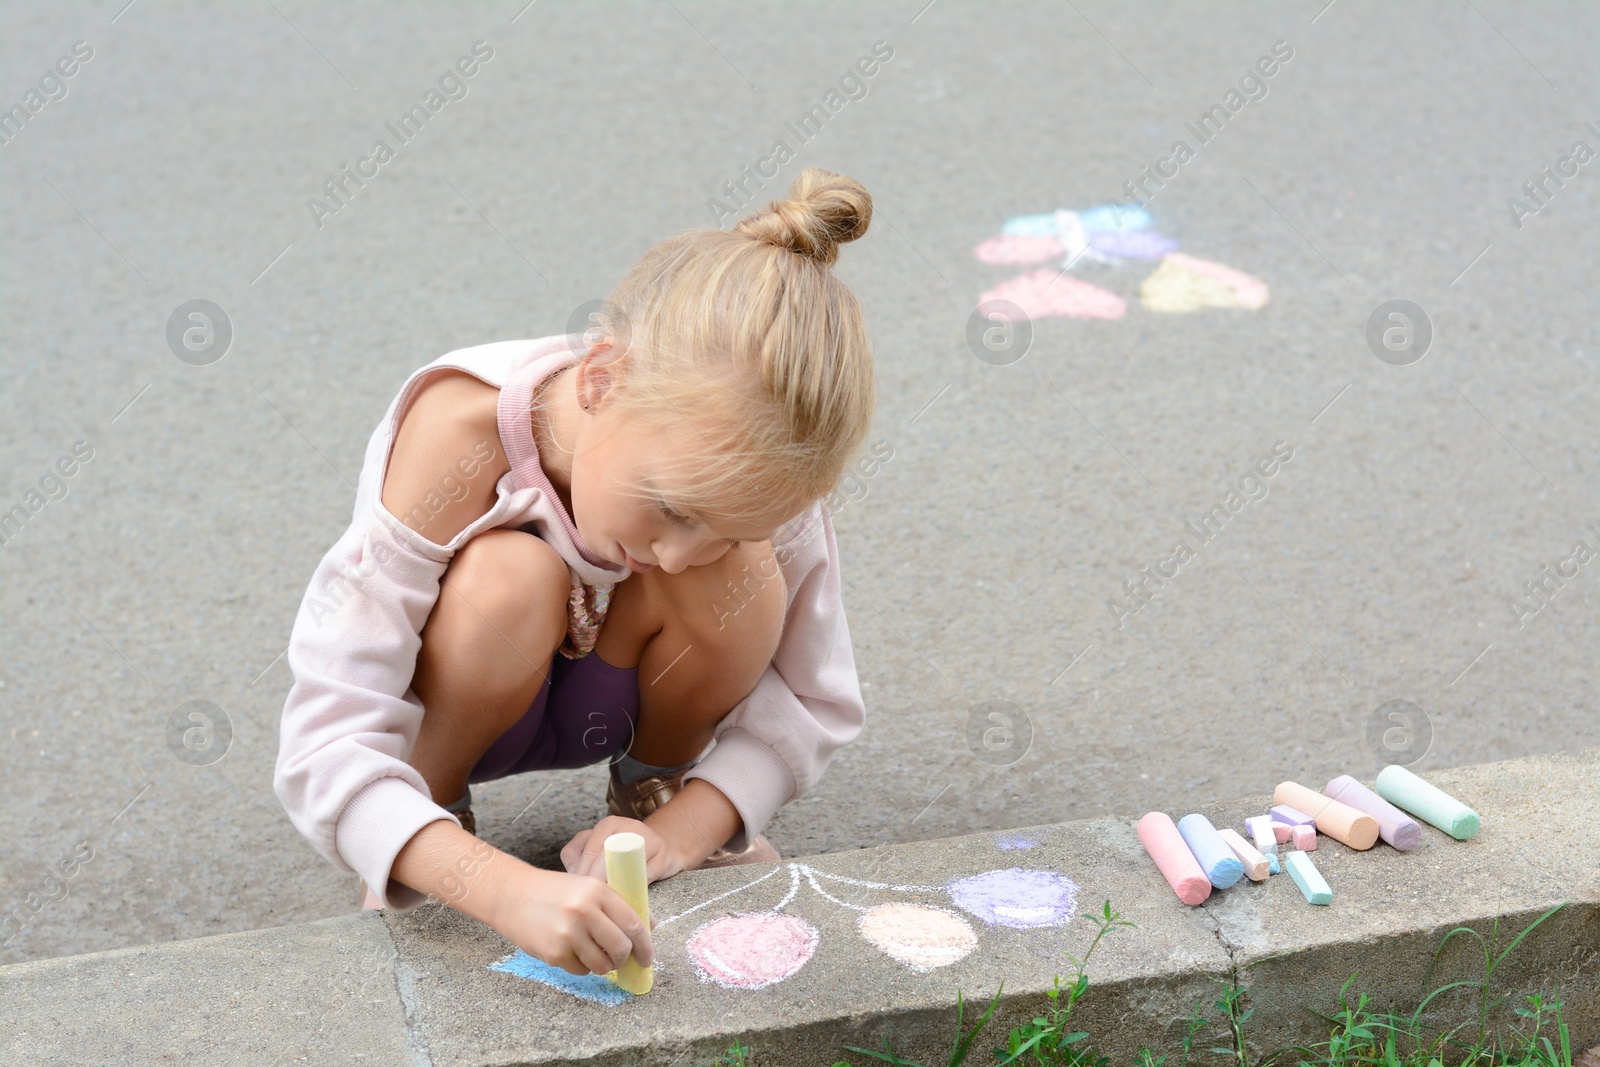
1308, 878
1427, 802
1255, 864
1222, 867
1394, 825
1259, 827
1272, 864
1339, 821
1288, 816
625, 872
1304, 838
1178, 865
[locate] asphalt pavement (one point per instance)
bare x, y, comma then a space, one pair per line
1406, 190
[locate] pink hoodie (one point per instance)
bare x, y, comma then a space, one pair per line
351, 717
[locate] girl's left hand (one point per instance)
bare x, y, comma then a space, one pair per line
586, 852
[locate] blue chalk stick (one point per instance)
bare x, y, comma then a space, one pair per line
1308, 878
1222, 867
1272, 864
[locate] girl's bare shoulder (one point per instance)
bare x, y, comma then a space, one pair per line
450, 428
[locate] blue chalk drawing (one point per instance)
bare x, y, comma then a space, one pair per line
595, 988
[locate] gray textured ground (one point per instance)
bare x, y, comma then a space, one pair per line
1018, 500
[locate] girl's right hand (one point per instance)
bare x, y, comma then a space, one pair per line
575, 922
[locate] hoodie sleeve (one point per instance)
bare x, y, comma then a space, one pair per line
350, 718
777, 742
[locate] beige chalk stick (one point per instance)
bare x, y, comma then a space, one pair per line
626, 873
1339, 821
1256, 867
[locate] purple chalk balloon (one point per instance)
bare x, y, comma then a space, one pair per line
1019, 897
1394, 825
1291, 816
1144, 245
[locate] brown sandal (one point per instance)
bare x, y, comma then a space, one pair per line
639, 798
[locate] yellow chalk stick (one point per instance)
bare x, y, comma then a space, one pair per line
625, 872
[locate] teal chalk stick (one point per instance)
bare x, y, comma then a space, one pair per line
1427, 802
1272, 864
1305, 874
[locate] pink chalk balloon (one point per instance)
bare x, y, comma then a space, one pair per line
919, 935
1018, 248
1043, 293
751, 951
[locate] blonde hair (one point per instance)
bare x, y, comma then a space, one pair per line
746, 348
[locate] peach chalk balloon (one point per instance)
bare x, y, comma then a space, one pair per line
1166, 846
1339, 821
1255, 864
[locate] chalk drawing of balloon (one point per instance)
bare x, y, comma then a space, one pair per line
751, 951
919, 935
1108, 235
1017, 897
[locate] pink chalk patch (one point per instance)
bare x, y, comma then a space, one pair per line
1305, 837
1282, 831
1044, 293
1018, 249
751, 951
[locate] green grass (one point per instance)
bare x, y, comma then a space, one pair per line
1357, 1037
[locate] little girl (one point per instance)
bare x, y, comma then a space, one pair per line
591, 548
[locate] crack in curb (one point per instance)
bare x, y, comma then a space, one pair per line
405, 986
1233, 971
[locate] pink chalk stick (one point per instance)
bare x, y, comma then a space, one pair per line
1394, 825
1178, 866
1281, 831
1305, 838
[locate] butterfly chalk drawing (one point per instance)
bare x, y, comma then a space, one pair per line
753, 950
1108, 235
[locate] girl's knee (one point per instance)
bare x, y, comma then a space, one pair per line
504, 587
737, 600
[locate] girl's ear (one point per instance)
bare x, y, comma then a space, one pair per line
595, 375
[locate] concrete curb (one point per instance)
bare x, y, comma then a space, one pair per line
418, 989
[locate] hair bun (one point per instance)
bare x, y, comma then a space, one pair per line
823, 211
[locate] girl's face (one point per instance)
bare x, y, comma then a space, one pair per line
653, 530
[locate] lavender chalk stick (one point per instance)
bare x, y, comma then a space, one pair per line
1291, 816
1222, 867
1394, 825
